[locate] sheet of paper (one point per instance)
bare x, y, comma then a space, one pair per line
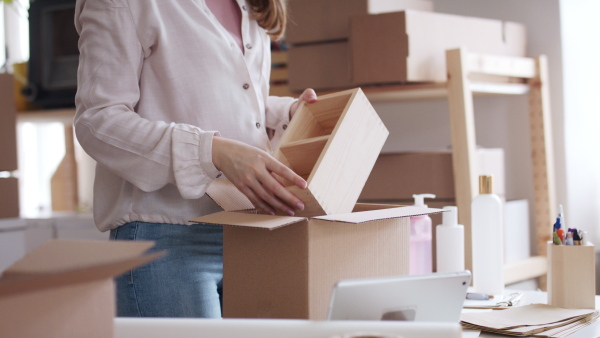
533, 314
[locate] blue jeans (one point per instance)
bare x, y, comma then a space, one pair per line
186, 282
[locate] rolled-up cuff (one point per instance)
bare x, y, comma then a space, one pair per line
192, 160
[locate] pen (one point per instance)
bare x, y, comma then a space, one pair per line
479, 296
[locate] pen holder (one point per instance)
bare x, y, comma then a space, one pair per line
571, 276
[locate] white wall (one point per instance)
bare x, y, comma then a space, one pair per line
500, 121
581, 55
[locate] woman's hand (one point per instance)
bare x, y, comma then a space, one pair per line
250, 170
308, 95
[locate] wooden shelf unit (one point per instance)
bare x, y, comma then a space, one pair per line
522, 76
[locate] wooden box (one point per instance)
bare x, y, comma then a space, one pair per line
571, 276
333, 144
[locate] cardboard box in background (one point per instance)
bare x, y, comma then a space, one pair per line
286, 267
410, 46
8, 124
397, 176
9, 190
65, 288
319, 66
326, 20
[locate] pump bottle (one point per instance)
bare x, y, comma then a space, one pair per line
450, 242
420, 239
487, 239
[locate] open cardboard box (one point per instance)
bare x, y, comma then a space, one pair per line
286, 267
65, 288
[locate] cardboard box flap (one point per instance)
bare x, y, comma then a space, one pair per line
228, 196
373, 215
63, 262
248, 220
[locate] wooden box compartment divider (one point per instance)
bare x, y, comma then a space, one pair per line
333, 144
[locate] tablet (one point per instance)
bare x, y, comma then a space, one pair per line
435, 297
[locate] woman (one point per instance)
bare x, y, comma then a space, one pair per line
170, 95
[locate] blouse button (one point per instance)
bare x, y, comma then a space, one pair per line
246, 86
257, 125
248, 46
244, 7
284, 126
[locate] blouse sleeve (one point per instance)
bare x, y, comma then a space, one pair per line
148, 154
278, 116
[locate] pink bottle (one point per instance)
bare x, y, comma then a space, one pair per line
421, 260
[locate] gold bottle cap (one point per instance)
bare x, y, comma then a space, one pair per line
485, 184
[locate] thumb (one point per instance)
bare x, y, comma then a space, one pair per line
309, 95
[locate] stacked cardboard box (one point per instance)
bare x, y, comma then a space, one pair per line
339, 44
9, 186
318, 33
286, 267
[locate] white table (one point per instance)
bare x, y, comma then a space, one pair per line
264, 328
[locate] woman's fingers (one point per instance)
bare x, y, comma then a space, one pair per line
252, 171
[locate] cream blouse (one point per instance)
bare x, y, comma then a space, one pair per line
156, 80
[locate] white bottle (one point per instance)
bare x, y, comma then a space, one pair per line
487, 240
420, 240
450, 243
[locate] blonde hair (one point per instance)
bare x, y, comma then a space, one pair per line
270, 15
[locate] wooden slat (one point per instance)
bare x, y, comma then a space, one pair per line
462, 125
525, 269
278, 58
542, 156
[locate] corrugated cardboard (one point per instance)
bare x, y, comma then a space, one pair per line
397, 176
326, 20
9, 190
320, 66
8, 124
285, 267
409, 46
65, 288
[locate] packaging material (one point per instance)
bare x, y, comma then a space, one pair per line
8, 124
571, 276
65, 288
9, 190
333, 144
397, 176
487, 238
450, 240
421, 259
410, 46
320, 66
326, 20
516, 231
286, 267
